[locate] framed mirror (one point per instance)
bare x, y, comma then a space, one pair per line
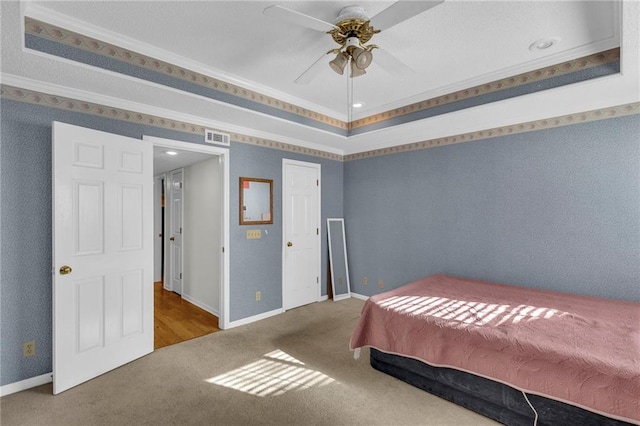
338, 259
256, 201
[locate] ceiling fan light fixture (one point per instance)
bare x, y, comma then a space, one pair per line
339, 63
355, 71
362, 58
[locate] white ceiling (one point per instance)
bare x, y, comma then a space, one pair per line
163, 162
453, 46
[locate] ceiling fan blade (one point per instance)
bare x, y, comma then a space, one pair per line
401, 11
298, 18
311, 72
390, 63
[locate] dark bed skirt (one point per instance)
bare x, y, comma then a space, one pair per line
495, 400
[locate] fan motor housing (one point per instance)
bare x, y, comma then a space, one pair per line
352, 21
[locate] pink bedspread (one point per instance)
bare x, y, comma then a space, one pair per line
581, 350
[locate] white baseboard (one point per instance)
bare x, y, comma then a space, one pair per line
254, 318
323, 298
26, 384
201, 305
359, 296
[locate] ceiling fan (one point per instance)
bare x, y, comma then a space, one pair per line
351, 31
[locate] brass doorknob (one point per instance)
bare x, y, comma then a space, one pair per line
171, 239
289, 244
64, 270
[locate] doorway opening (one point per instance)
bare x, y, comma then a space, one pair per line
190, 236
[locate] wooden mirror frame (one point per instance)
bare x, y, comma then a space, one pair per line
245, 181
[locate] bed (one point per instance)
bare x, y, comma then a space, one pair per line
511, 353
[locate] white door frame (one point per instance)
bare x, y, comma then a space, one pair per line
223, 153
317, 166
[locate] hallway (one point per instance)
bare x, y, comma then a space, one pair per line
177, 320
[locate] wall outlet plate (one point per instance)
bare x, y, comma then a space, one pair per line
258, 296
380, 284
29, 348
365, 281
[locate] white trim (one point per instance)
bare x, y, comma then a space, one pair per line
359, 296
323, 298
286, 162
249, 320
113, 102
26, 384
346, 262
200, 305
224, 154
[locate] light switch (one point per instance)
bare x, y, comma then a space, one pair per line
254, 234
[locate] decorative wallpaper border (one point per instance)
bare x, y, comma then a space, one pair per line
392, 117
69, 104
60, 102
586, 62
531, 126
79, 41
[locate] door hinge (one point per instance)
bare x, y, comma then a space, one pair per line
180, 275
317, 280
223, 249
317, 231
317, 182
180, 231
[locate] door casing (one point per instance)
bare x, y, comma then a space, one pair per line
224, 155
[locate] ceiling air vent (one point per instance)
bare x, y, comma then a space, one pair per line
216, 137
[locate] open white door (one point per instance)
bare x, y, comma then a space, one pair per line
301, 233
102, 253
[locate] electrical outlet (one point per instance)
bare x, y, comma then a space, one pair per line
29, 348
365, 281
254, 234
258, 296
380, 284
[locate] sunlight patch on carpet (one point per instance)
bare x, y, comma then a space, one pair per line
274, 374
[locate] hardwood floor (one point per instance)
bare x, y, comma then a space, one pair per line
177, 320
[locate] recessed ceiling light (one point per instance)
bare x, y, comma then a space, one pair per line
171, 153
544, 43
357, 105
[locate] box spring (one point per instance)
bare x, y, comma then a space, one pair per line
495, 400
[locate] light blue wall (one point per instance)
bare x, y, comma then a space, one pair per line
555, 209
256, 265
25, 228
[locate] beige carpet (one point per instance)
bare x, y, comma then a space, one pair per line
292, 369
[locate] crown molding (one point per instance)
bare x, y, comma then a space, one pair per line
51, 95
513, 81
532, 126
35, 95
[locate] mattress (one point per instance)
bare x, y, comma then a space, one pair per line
580, 350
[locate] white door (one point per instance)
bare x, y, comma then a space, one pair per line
175, 230
102, 253
301, 233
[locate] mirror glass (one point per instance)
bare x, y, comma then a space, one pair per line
338, 259
256, 201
